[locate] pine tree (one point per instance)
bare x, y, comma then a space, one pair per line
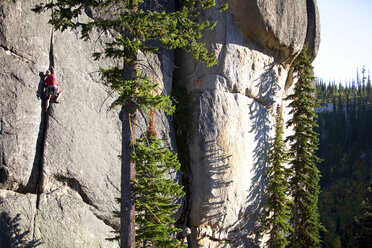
155, 194
277, 204
134, 30
304, 187
364, 236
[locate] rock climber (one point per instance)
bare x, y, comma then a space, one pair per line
52, 84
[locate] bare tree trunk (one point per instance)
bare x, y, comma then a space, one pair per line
128, 172
127, 228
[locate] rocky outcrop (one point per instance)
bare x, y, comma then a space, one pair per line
59, 172
232, 107
77, 142
68, 156
280, 27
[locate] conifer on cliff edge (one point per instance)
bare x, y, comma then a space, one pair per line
278, 204
304, 188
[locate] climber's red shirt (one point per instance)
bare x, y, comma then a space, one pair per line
51, 80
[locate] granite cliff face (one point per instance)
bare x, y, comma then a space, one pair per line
70, 155
233, 104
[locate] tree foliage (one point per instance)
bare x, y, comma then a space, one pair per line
358, 90
177, 29
278, 204
364, 236
304, 186
155, 194
135, 29
345, 121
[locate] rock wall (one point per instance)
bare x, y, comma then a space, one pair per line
233, 105
77, 142
70, 154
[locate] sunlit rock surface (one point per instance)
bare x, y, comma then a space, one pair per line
71, 156
233, 104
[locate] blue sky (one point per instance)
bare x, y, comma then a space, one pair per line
346, 39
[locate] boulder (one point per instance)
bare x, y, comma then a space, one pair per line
279, 27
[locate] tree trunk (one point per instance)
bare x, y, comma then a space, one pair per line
128, 172
127, 227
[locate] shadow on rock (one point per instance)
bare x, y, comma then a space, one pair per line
4, 176
218, 164
40, 93
32, 182
268, 85
211, 187
248, 229
11, 235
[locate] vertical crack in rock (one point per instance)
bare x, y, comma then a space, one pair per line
34, 225
40, 182
37, 181
37, 178
51, 53
180, 125
4, 173
183, 156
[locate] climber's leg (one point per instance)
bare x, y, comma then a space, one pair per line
59, 93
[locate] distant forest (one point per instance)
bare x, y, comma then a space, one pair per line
345, 146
